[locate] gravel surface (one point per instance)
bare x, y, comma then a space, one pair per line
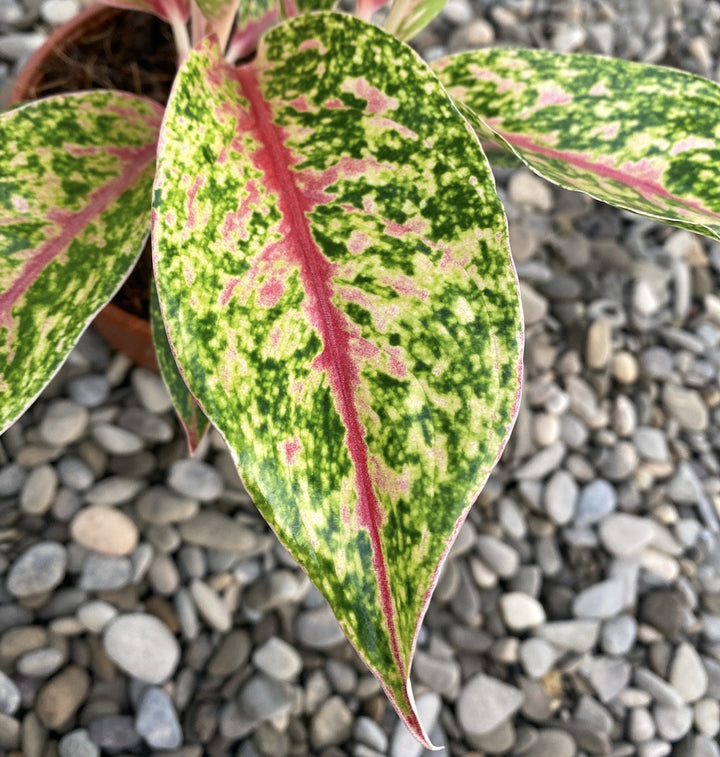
146, 608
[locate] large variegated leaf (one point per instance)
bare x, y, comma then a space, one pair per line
76, 173
168, 10
333, 269
640, 137
192, 418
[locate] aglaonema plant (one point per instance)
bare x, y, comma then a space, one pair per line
333, 290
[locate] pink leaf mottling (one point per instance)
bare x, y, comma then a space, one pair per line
270, 293
290, 448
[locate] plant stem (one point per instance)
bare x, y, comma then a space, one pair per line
397, 13
181, 37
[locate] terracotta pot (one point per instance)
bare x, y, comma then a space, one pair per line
123, 331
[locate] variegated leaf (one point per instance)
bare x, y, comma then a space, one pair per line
333, 269
76, 173
171, 11
640, 137
192, 418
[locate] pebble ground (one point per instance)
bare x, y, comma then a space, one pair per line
145, 608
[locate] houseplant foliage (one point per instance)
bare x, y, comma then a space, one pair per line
333, 285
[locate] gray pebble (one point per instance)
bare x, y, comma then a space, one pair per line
651, 443
114, 733
151, 390
552, 742
542, 463
114, 490
560, 497
89, 391
368, 732
686, 407
618, 463
12, 479
9, 695
318, 628
656, 362
521, 611
687, 673
210, 605
78, 744
116, 440
195, 479
641, 726
39, 490
105, 572
485, 703
331, 724
217, 531
156, 720
537, 657
607, 675
601, 600
41, 663
706, 716
231, 654
623, 534
163, 575
500, 557
278, 659
263, 698
187, 614
441, 675
96, 614
660, 689
75, 473
147, 426
57, 12
64, 422
143, 646
39, 569
672, 723
665, 610
597, 499
160, 506
654, 748
619, 634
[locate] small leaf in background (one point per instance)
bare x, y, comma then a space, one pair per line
333, 269
76, 173
220, 15
639, 137
171, 11
192, 418
254, 18
408, 17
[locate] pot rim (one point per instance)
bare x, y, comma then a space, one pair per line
64, 35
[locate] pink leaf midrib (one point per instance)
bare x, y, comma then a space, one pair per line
275, 159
